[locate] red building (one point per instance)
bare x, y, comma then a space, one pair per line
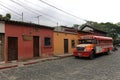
25, 40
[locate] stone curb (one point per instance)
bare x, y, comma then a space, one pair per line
21, 64
6, 67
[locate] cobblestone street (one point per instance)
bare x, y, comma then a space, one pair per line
105, 67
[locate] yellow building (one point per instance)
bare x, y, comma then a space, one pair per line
66, 38
64, 42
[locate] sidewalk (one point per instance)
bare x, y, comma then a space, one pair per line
28, 62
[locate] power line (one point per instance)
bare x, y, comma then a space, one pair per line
34, 11
62, 10
15, 14
4, 11
43, 12
23, 6
29, 9
55, 18
10, 9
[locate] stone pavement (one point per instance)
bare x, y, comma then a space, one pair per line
33, 61
103, 67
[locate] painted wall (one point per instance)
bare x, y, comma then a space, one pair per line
2, 27
25, 48
59, 42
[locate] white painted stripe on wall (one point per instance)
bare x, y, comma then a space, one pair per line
2, 27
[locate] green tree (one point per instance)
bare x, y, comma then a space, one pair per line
76, 26
112, 29
6, 17
1, 16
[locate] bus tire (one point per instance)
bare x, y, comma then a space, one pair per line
77, 57
108, 52
92, 55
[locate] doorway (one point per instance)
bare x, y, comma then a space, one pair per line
2, 44
65, 45
36, 46
12, 48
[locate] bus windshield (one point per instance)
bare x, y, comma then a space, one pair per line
87, 41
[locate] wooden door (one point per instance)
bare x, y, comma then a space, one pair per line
36, 46
2, 47
65, 45
12, 48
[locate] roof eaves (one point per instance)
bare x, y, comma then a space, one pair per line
93, 28
25, 23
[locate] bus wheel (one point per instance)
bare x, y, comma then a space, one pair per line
77, 57
92, 56
108, 52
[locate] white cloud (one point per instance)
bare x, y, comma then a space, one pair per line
94, 10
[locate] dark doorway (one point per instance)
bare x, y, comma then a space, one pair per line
2, 41
65, 45
12, 48
36, 46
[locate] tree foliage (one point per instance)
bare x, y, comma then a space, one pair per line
1, 16
113, 30
6, 17
76, 26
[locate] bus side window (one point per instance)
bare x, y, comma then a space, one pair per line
94, 41
98, 42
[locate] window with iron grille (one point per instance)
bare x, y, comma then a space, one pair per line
73, 43
47, 41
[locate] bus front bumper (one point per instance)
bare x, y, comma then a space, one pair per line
82, 54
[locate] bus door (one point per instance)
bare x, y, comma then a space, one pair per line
98, 47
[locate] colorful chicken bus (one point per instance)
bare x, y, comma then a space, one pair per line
90, 45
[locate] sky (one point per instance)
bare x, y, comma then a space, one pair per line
90, 10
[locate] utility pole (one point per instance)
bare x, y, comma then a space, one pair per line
22, 16
57, 29
38, 17
57, 26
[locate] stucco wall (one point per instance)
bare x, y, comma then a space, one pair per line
25, 48
59, 42
2, 27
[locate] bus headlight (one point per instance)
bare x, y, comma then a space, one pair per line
87, 48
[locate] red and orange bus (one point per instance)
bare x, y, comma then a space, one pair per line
90, 45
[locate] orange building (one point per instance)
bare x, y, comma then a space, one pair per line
65, 40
